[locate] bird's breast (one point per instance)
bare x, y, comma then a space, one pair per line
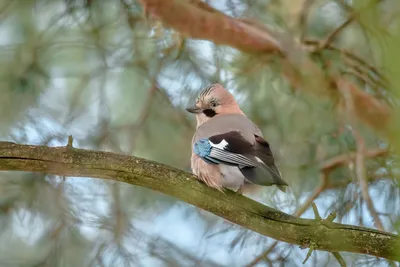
208, 173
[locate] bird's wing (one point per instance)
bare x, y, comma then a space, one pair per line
255, 161
228, 148
266, 173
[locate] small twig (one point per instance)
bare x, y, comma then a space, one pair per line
315, 44
366, 73
340, 259
330, 218
361, 61
366, 76
303, 17
360, 156
329, 39
70, 141
360, 172
314, 195
366, 79
349, 157
316, 212
308, 254
119, 214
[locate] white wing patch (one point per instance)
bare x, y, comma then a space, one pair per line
221, 145
259, 160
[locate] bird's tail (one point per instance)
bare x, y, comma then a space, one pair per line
276, 176
265, 175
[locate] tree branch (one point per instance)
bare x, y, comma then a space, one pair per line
347, 158
329, 39
303, 17
322, 235
198, 20
362, 179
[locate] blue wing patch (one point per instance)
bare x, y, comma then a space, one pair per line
216, 153
202, 148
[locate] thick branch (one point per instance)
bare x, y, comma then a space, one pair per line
323, 235
198, 20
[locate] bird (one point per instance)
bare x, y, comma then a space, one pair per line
228, 149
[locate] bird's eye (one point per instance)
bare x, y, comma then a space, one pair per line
214, 104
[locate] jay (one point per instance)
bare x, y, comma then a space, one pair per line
228, 149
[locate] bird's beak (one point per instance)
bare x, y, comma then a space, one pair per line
194, 110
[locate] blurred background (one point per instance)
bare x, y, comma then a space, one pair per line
116, 81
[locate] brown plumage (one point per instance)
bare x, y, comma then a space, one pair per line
228, 150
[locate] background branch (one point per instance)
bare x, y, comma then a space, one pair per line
197, 20
360, 173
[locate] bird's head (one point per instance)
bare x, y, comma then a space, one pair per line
212, 101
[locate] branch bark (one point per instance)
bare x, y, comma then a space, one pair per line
321, 235
196, 19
